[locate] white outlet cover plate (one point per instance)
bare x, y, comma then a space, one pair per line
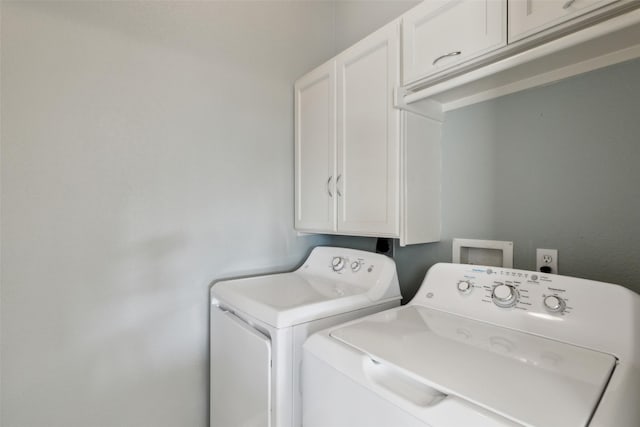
540, 253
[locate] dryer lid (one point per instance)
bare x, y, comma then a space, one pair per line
287, 299
526, 378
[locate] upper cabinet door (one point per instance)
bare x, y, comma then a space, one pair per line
527, 17
315, 141
438, 34
368, 135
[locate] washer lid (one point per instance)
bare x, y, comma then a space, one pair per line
286, 299
528, 379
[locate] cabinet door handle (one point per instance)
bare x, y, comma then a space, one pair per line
568, 4
455, 53
338, 185
329, 186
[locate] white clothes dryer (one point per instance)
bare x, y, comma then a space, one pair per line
258, 326
482, 347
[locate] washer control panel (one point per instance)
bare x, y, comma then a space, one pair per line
502, 289
512, 289
535, 291
582, 312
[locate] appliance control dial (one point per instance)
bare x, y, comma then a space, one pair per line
554, 304
504, 295
464, 286
355, 266
337, 263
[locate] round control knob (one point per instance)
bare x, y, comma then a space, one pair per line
504, 295
464, 286
337, 263
554, 304
355, 266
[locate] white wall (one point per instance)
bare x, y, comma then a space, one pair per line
355, 19
147, 150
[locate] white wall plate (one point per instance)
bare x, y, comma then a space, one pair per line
495, 253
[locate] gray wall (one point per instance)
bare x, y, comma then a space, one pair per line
552, 167
146, 151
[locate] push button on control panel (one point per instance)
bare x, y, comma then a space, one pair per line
355, 266
504, 295
337, 263
554, 304
464, 286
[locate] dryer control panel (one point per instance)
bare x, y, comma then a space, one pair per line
366, 270
348, 264
560, 307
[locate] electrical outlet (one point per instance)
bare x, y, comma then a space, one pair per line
547, 260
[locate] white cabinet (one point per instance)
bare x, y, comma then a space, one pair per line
439, 34
315, 149
367, 180
548, 40
351, 174
527, 17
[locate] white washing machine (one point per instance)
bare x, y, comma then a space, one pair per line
258, 326
480, 346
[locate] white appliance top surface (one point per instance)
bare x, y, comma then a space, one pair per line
317, 289
290, 290
287, 299
529, 379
